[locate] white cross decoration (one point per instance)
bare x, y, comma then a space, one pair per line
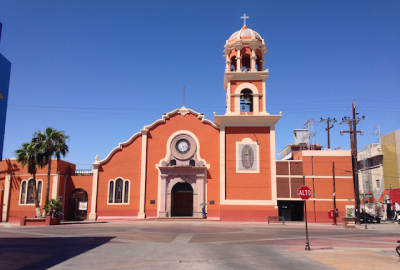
244, 17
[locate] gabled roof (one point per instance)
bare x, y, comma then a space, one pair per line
183, 111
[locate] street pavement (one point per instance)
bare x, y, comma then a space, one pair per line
202, 244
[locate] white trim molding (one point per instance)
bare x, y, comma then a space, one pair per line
95, 181
182, 111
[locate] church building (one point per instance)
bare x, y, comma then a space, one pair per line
181, 162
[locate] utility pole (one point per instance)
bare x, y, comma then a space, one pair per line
327, 121
353, 141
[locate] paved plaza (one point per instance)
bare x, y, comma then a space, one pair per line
202, 244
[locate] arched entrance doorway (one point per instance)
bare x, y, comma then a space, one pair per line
77, 205
182, 200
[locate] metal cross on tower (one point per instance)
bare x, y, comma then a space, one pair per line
244, 17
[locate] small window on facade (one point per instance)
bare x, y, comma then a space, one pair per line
31, 198
118, 191
126, 192
23, 192
111, 192
378, 183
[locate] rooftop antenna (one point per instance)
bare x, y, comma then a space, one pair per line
377, 133
309, 124
183, 96
244, 17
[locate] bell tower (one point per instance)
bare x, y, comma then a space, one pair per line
247, 130
245, 76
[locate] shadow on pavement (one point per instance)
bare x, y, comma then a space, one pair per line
81, 222
43, 253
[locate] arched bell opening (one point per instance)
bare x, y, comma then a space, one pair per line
246, 64
182, 200
258, 60
246, 100
233, 63
258, 64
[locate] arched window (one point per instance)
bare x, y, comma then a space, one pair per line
126, 192
23, 192
246, 100
31, 198
118, 191
39, 190
111, 192
27, 196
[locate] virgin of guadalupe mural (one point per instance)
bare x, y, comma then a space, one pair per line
247, 157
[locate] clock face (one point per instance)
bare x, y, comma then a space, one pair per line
183, 146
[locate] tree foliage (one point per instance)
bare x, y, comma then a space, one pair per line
38, 153
29, 155
51, 142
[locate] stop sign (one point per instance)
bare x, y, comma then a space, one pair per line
304, 192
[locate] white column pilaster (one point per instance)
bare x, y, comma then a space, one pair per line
95, 181
163, 198
141, 214
222, 163
253, 58
55, 187
264, 97
238, 58
6, 197
228, 63
228, 97
201, 191
273, 164
256, 104
238, 64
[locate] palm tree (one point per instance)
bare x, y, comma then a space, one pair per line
52, 143
28, 156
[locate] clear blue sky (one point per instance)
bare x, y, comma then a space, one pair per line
101, 70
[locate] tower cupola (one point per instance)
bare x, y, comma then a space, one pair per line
244, 51
245, 74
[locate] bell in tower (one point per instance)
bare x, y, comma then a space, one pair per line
244, 73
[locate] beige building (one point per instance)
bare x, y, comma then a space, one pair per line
391, 159
370, 173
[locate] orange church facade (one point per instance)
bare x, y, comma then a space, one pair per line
174, 166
